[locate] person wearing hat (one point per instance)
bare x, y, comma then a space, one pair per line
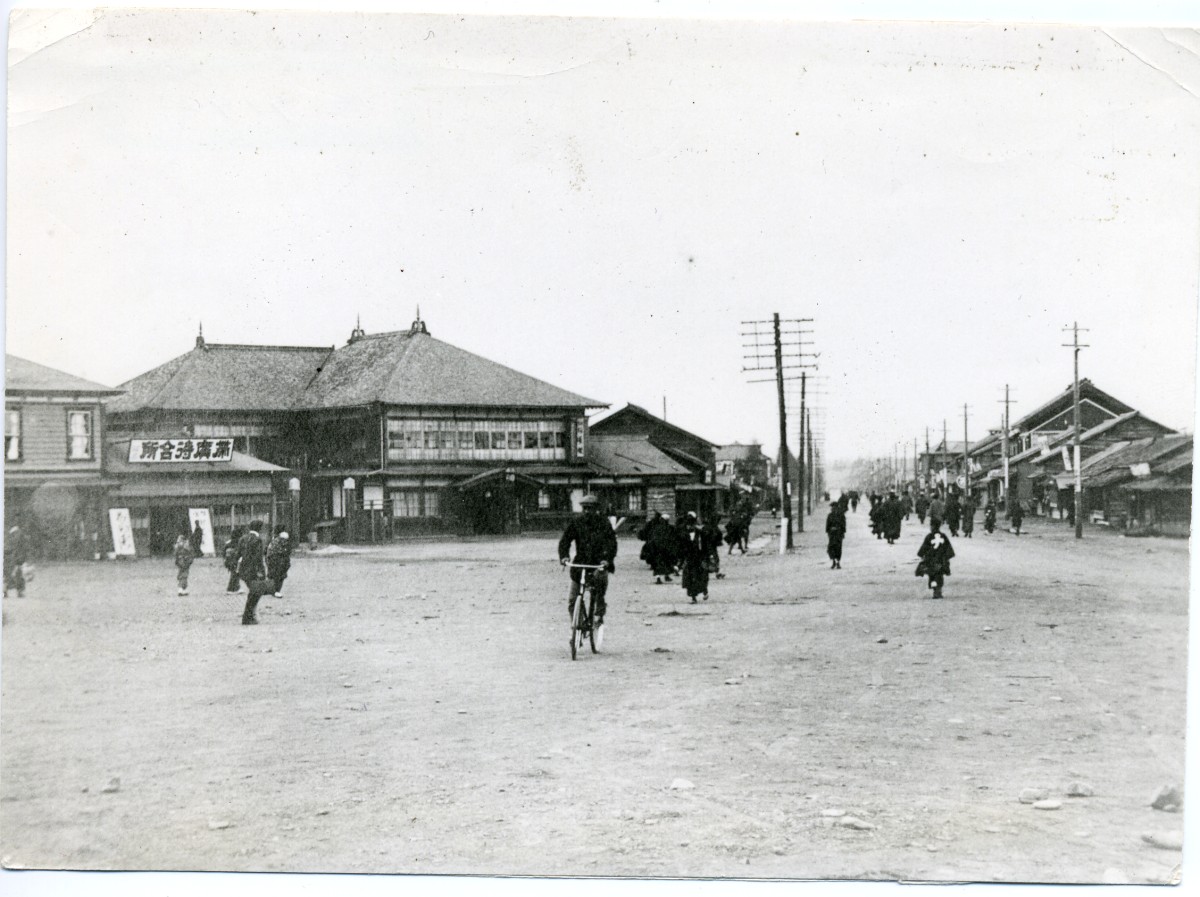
279, 559
595, 543
694, 551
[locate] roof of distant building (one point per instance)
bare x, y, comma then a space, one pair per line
22, 375
631, 409
736, 451
630, 455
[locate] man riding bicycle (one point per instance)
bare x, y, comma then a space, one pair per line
595, 543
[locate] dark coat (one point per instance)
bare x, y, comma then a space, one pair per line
250, 557
594, 540
935, 553
15, 552
196, 540
890, 516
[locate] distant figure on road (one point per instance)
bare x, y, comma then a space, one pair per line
835, 531
736, 533
659, 551
854, 501
1016, 515
891, 517
279, 559
250, 554
712, 544
935, 553
922, 507
875, 515
595, 543
937, 510
968, 516
15, 555
231, 558
989, 517
183, 561
953, 513
695, 550
196, 540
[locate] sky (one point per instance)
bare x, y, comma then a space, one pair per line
603, 203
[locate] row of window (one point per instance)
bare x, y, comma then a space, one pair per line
79, 435
482, 439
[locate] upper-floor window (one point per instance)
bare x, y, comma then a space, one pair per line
79, 435
12, 434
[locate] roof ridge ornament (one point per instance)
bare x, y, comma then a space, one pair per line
200, 344
418, 326
357, 333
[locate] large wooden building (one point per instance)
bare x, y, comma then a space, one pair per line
391, 433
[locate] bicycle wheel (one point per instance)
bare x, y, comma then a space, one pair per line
591, 618
576, 622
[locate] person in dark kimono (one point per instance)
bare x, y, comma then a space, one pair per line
231, 558
712, 544
937, 510
891, 518
252, 570
694, 550
989, 517
196, 540
854, 502
922, 507
1016, 515
661, 548
279, 559
183, 562
876, 516
935, 554
735, 533
968, 516
835, 532
953, 513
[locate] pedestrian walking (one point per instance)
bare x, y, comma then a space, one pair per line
989, 517
251, 570
712, 544
15, 556
854, 502
659, 550
196, 540
953, 513
876, 515
183, 561
891, 517
694, 551
922, 507
935, 554
1017, 515
937, 510
968, 516
231, 558
835, 533
279, 559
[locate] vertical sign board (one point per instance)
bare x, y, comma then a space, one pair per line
122, 532
201, 516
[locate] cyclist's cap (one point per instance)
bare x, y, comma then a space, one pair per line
589, 500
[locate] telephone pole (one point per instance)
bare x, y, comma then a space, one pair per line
1074, 344
1004, 443
766, 351
945, 466
800, 455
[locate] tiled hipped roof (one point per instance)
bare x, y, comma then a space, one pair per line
401, 368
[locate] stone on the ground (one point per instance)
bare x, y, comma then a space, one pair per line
681, 785
113, 786
833, 812
214, 826
1032, 795
855, 823
1164, 840
1047, 805
1080, 789
1168, 797
733, 681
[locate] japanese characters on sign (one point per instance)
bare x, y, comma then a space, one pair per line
145, 451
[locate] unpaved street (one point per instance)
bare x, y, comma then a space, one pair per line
414, 709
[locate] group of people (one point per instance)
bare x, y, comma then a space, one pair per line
261, 567
689, 548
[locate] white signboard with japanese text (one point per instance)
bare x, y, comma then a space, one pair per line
122, 532
201, 517
147, 451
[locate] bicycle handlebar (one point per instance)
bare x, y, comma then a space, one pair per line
584, 566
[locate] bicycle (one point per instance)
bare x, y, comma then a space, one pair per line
583, 613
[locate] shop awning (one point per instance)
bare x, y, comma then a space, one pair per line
1157, 484
194, 487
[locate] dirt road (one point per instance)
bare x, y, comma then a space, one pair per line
414, 709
